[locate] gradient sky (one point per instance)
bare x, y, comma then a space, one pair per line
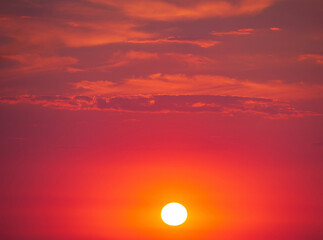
110, 109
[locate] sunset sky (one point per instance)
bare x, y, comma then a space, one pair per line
110, 109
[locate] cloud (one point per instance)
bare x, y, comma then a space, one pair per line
244, 31
200, 43
191, 59
167, 11
79, 24
275, 29
73, 70
179, 84
120, 59
318, 58
35, 32
59, 102
226, 105
36, 63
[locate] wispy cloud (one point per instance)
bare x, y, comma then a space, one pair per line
177, 84
191, 59
226, 105
200, 43
124, 58
167, 11
34, 32
318, 58
275, 29
244, 31
36, 63
121, 59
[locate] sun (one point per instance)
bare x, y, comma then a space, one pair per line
174, 214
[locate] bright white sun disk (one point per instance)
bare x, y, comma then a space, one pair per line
174, 214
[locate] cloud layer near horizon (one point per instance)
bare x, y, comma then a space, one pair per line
225, 105
174, 84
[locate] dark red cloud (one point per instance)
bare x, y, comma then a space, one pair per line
164, 104
244, 31
318, 58
201, 43
167, 11
178, 84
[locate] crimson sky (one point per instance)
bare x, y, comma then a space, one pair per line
110, 109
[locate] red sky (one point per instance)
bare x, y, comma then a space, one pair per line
112, 109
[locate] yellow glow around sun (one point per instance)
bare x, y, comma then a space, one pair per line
174, 214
